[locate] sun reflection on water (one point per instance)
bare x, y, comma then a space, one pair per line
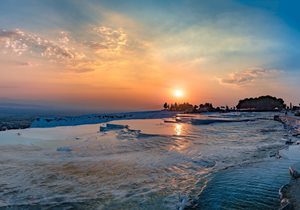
179, 143
178, 129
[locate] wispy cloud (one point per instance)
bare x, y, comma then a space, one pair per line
57, 51
249, 76
109, 39
21, 42
100, 45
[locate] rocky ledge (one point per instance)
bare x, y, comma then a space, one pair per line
290, 193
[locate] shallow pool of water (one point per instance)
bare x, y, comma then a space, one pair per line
151, 164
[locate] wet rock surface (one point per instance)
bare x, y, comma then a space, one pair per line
290, 193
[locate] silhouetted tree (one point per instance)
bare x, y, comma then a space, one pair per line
195, 109
166, 105
226, 108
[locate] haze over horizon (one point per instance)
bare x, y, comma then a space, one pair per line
127, 55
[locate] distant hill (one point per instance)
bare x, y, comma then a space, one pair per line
262, 103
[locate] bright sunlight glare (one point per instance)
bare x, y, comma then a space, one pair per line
178, 93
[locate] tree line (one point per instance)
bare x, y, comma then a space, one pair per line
187, 107
262, 103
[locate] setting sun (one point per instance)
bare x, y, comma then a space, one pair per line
178, 93
152, 104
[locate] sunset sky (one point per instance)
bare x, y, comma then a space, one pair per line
126, 55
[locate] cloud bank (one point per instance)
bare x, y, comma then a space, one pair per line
100, 45
248, 76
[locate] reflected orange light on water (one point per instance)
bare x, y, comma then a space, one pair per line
179, 143
178, 129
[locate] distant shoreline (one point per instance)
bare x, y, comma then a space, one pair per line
15, 123
55, 121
